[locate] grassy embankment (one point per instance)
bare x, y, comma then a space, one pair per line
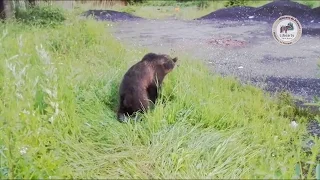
58, 94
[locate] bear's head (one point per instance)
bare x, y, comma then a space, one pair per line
167, 63
162, 63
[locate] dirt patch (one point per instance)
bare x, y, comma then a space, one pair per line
268, 58
110, 15
298, 86
314, 128
316, 11
311, 31
232, 43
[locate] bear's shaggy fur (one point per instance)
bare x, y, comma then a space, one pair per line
141, 83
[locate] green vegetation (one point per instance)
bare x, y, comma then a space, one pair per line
309, 3
58, 91
231, 3
41, 15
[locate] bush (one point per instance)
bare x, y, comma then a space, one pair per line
231, 3
202, 4
135, 1
128, 9
161, 3
41, 15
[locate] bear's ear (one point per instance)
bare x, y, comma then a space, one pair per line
175, 59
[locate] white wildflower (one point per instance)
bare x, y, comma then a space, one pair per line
293, 124
49, 83
48, 91
23, 150
19, 96
25, 112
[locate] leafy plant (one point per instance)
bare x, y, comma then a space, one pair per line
41, 15
202, 4
311, 4
135, 1
128, 9
232, 3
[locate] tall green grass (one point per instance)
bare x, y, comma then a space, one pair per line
59, 89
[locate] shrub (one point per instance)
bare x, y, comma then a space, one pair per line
231, 3
129, 9
135, 1
202, 4
41, 15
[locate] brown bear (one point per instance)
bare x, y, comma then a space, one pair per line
142, 82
